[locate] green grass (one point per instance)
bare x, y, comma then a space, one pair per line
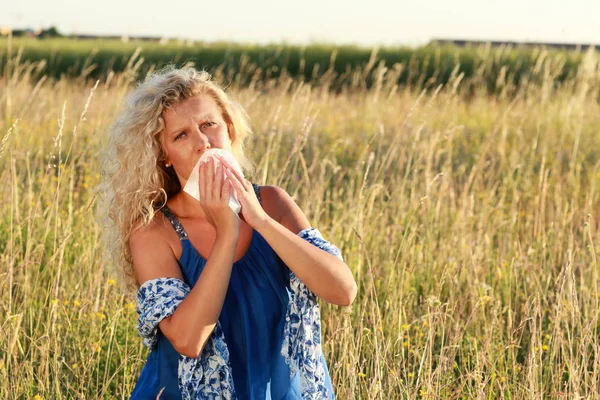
340, 66
469, 221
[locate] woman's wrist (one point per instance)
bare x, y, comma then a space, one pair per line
228, 235
265, 224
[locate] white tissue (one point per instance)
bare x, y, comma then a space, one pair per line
192, 187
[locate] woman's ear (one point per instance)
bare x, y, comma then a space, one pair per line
231, 132
165, 160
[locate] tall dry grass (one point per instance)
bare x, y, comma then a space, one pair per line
470, 222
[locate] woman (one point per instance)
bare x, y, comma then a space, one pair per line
226, 304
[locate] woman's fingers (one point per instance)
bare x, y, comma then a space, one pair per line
212, 182
235, 183
211, 179
202, 181
226, 190
231, 169
224, 161
218, 182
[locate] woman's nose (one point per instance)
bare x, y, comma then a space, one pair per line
202, 142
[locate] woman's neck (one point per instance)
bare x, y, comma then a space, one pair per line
185, 206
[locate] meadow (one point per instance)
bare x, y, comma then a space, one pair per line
339, 67
469, 219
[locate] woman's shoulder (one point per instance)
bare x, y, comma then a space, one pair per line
271, 200
155, 229
282, 207
151, 247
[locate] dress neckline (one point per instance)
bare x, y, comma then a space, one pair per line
242, 258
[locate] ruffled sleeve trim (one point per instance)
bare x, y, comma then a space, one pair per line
302, 329
314, 237
157, 299
206, 377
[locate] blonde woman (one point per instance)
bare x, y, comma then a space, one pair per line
227, 304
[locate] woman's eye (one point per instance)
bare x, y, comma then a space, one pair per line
207, 124
181, 135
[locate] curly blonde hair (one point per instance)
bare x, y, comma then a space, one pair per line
135, 182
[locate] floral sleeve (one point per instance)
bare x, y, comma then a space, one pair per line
302, 329
314, 237
208, 376
157, 299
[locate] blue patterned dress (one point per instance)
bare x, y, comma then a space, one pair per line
266, 344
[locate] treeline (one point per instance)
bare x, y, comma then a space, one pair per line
494, 68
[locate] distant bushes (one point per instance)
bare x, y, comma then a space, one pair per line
338, 67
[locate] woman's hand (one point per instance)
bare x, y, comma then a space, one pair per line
214, 199
252, 212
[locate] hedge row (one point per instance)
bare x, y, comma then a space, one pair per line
427, 65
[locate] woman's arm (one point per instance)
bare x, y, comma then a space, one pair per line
190, 326
324, 274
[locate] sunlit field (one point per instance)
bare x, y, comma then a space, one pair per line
469, 219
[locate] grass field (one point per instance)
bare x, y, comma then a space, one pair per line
470, 222
338, 66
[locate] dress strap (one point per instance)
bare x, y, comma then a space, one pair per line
257, 191
174, 222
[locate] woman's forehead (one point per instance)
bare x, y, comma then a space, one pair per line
198, 105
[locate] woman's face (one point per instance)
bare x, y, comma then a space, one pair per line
192, 127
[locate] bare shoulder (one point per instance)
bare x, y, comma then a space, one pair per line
282, 208
152, 252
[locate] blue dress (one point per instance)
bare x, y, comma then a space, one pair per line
266, 344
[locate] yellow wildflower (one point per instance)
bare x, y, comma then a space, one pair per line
361, 375
544, 347
111, 282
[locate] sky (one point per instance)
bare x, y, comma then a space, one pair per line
365, 22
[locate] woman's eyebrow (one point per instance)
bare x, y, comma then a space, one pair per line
204, 117
201, 117
177, 131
